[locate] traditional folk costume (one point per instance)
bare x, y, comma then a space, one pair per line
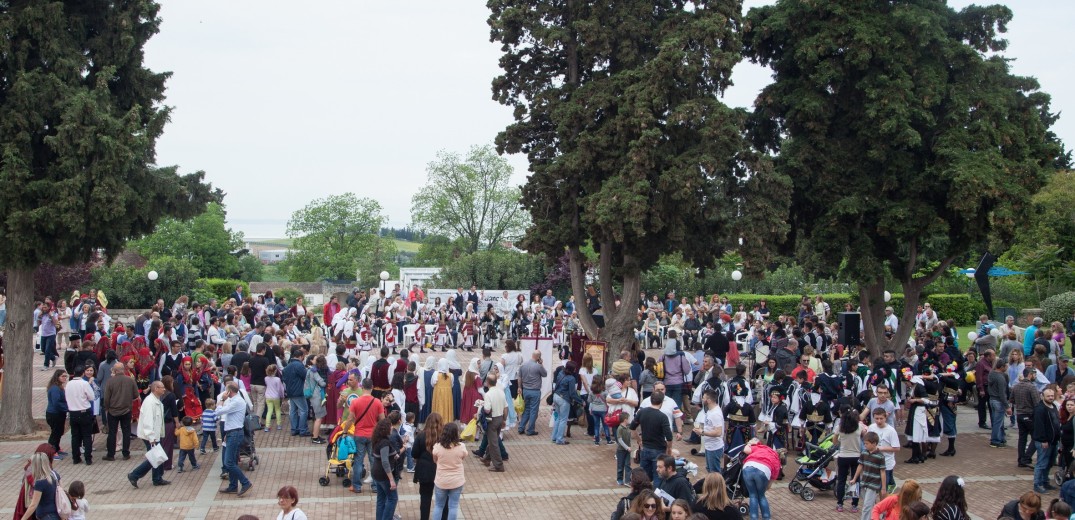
814, 413
739, 418
950, 395
924, 424
442, 338
775, 418
390, 335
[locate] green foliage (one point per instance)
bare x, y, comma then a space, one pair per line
287, 292
335, 237
221, 288
130, 287
204, 240
672, 274
250, 268
493, 269
470, 199
1059, 307
438, 251
959, 307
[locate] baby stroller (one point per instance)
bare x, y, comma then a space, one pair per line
813, 469
341, 456
733, 483
1066, 468
247, 449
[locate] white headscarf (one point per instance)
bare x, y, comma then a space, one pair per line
473, 367
452, 359
443, 365
431, 363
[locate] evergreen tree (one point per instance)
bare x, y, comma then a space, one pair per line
79, 118
908, 140
617, 107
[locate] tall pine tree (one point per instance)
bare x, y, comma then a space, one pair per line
617, 107
79, 118
908, 140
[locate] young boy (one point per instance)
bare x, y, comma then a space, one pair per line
408, 440
873, 481
209, 424
188, 439
623, 449
889, 443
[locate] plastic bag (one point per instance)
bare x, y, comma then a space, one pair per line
470, 430
156, 455
520, 405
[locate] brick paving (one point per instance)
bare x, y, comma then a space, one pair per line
542, 480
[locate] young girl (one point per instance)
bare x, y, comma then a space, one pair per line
77, 492
274, 391
598, 408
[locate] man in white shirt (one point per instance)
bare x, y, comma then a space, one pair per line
710, 427
150, 430
891, 321
80, 399
496, 405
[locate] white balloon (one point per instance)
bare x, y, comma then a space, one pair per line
737, 275
888, 296
152, 275
972, 335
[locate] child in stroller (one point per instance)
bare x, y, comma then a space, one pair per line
341, 455
814, 469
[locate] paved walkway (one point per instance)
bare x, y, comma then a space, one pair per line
542, 480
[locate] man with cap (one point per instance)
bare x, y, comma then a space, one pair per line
1056, 373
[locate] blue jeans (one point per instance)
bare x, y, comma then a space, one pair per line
647, 460
232, 441
756, 484
146, 467
1046, 458
996, 418
675, 392
531, 400
714, 460
363, 449
386, 499
484, 445
299, 409
48, 348
446, 499
623, 466
563, 412
598, 420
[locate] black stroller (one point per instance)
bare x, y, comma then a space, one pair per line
733, 481
247, 450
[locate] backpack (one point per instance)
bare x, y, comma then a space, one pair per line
658, 371
309, 385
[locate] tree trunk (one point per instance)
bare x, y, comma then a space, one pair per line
16, 415
872, 304
619, 330
577, 261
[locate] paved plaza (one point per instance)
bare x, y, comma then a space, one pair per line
542, 480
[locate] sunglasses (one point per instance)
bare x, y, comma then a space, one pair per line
650, 506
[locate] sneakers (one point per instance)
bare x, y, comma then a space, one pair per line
180, 470
619, 482
244, 489
202, 451
854, 509
1040, 490
410, 470
609, 441
196, 466
318, 440
839, 509
596, 442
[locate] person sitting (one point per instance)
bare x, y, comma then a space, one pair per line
1028, 507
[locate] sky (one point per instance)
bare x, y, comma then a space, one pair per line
282, 103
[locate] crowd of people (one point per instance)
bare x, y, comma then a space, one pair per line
190, 374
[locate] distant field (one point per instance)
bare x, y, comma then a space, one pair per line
402, 245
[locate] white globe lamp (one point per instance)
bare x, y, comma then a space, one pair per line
888, 296
737, 275
152, 275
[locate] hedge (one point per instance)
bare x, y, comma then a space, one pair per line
1058, 307
220, 288
959, 307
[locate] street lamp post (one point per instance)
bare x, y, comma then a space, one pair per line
384, 281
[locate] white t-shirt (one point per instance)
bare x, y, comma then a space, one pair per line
889, 439
295, 514
631, 395
668, 407
711, 419
587, 380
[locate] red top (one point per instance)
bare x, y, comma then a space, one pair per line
365, 423
329, 310
763, 454
379, 374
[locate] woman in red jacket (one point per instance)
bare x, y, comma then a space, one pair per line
760, 468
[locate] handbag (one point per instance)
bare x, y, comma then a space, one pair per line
64, 507
156, 455
548, 399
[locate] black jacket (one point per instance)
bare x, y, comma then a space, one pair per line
623, 505
425, 470
679, 488
1011, 510
1046, 423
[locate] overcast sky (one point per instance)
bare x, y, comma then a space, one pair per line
283, 102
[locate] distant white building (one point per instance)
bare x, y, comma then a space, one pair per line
272, 256
409, 276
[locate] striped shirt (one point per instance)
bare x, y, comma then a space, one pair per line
873, 465
209, 420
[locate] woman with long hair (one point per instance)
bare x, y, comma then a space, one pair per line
56, 410
892, 505
951, 502
43, 502
681, 510
639, 481
714, 502
849, 435
381, 470
425, 470
448, 454
1067, 434
27, 489
649, 506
